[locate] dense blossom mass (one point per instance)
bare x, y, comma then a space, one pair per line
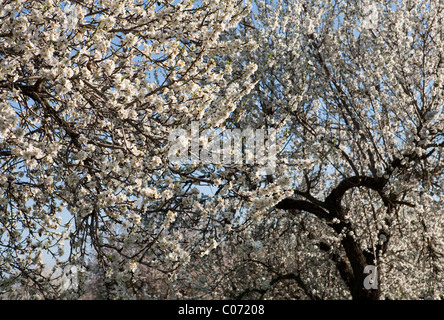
90, 92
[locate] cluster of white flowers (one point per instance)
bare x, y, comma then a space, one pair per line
89, 94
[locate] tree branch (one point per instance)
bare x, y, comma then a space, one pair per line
336, 195
303, 205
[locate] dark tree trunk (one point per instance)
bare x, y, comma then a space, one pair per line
351, 271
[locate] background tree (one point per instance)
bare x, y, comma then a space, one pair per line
357, 89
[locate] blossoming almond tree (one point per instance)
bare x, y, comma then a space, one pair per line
89, 92
357, 88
